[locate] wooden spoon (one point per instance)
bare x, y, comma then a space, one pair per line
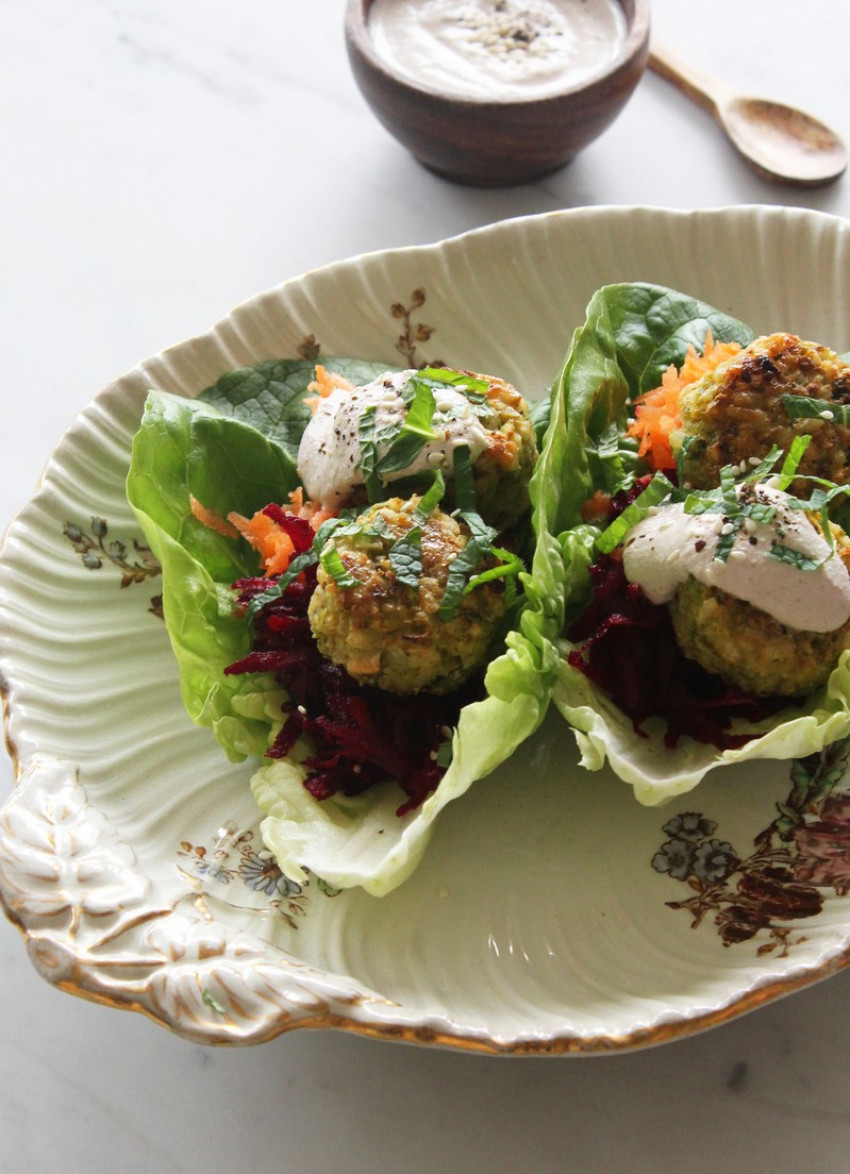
781, 143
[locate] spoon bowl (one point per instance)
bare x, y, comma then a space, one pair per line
782, 142
779, 142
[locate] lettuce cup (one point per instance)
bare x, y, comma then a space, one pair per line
692, 482
344, 587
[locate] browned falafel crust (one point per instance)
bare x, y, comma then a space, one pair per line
736, 412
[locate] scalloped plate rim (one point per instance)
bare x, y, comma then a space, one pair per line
434, 1031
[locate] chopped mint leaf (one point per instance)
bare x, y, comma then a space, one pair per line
463, 480
795, 558
405, 557
420, 412
432, 498
460, 571
277, 586
437, 377
407, 439
655, 492
343, 524
792, 461
462, 567
331, 561
803, 407
369, 453
765, 466
510, 566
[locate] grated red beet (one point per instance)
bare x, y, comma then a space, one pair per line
629, 649
360, 736
297, 529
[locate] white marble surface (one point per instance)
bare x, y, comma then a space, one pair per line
162, 161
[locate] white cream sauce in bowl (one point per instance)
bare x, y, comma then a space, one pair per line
498, 49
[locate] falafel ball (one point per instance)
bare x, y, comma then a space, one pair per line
736, 412
389, 634
749, 649
503, 470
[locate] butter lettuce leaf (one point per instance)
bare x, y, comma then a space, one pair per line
631, 334
186, 448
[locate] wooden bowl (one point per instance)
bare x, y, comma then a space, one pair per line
496, 143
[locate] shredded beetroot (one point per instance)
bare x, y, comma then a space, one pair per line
628, 648
298, 529
359, 736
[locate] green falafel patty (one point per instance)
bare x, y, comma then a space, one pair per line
388, 633
749, 649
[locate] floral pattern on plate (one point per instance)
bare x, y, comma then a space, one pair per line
804, 849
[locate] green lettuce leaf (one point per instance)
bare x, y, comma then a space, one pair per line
631, 334
182, 448
270, 395
211, 448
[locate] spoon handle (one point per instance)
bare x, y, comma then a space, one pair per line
703, 89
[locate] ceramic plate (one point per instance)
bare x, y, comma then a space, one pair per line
552, 913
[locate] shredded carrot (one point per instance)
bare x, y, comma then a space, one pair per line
597, 508
212, 518
657, 414
270, 540
311, 511
324, 383
272, 543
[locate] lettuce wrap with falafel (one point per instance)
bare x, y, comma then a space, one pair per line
660, 719
213, 482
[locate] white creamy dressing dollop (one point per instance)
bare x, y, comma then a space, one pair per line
668, 545
330, 448
502, 49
